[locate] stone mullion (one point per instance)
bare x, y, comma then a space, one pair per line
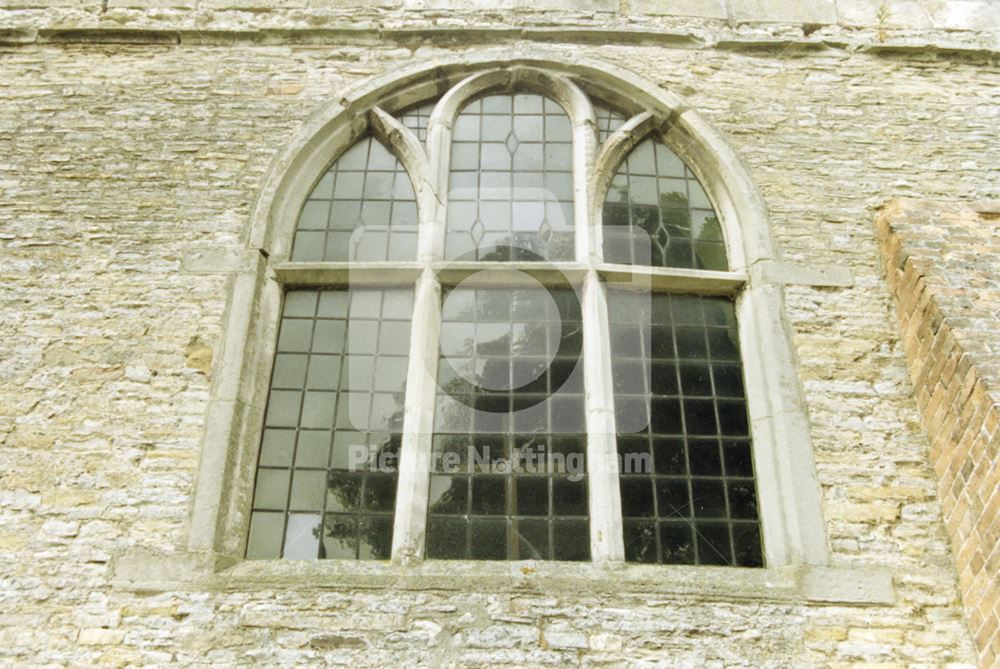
421, 391
606, 541
418, 421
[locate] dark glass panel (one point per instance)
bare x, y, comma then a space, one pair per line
709, 498
704, 457
343, 491
640, 541
747, 545
733, 418
728, 380
380, 492
699, 417
449, 494
637, 497
488, 539
691, 343
532, 495
666, 416
742, 499
663, 377
737, 456
570, 540
668, 456
672, 498
446, 538
696, 379
677, 543
488, 495
713, 544
532, 539
569, 498
340, 537
698, 431
375, 538
723, 345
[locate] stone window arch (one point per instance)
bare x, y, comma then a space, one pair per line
611, 114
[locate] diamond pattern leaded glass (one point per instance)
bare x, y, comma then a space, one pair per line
687, 486
508, 477
363, 208
332, 425
656, 213
511, 183
509, 440
416, 119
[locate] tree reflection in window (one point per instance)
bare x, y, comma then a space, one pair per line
656, 213
326, 480
509, 435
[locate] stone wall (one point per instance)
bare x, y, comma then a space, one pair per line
879, 15
941, 261
128, 164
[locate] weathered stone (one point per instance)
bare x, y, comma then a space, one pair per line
134, 138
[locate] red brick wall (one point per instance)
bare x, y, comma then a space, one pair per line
943, 265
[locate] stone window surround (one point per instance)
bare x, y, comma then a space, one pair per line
789, 494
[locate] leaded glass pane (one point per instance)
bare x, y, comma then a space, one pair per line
511, 183
608, 121
656, 213
416, 119
363, 208
326, 481
508, 479
687, 481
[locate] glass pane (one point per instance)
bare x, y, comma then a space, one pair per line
362, 208
302, 536
696, 501
509, 479
511, 182
265, 535
416, 119
326, 480
656, 213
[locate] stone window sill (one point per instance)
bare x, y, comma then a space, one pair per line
142, 570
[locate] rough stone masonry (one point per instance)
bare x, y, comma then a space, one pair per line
134, 136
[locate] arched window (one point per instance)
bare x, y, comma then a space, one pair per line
518, 320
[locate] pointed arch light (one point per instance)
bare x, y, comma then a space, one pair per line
295, 209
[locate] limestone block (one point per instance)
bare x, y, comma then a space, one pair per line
152, 4
913, 14
981, 15
709, 9
783, 11
601, 5
44, 4
98, 636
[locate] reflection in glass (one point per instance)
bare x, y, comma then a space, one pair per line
656, 213
326, 481
679, 404
416, 119
363, 208
511, 182
608, 121
509, 434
